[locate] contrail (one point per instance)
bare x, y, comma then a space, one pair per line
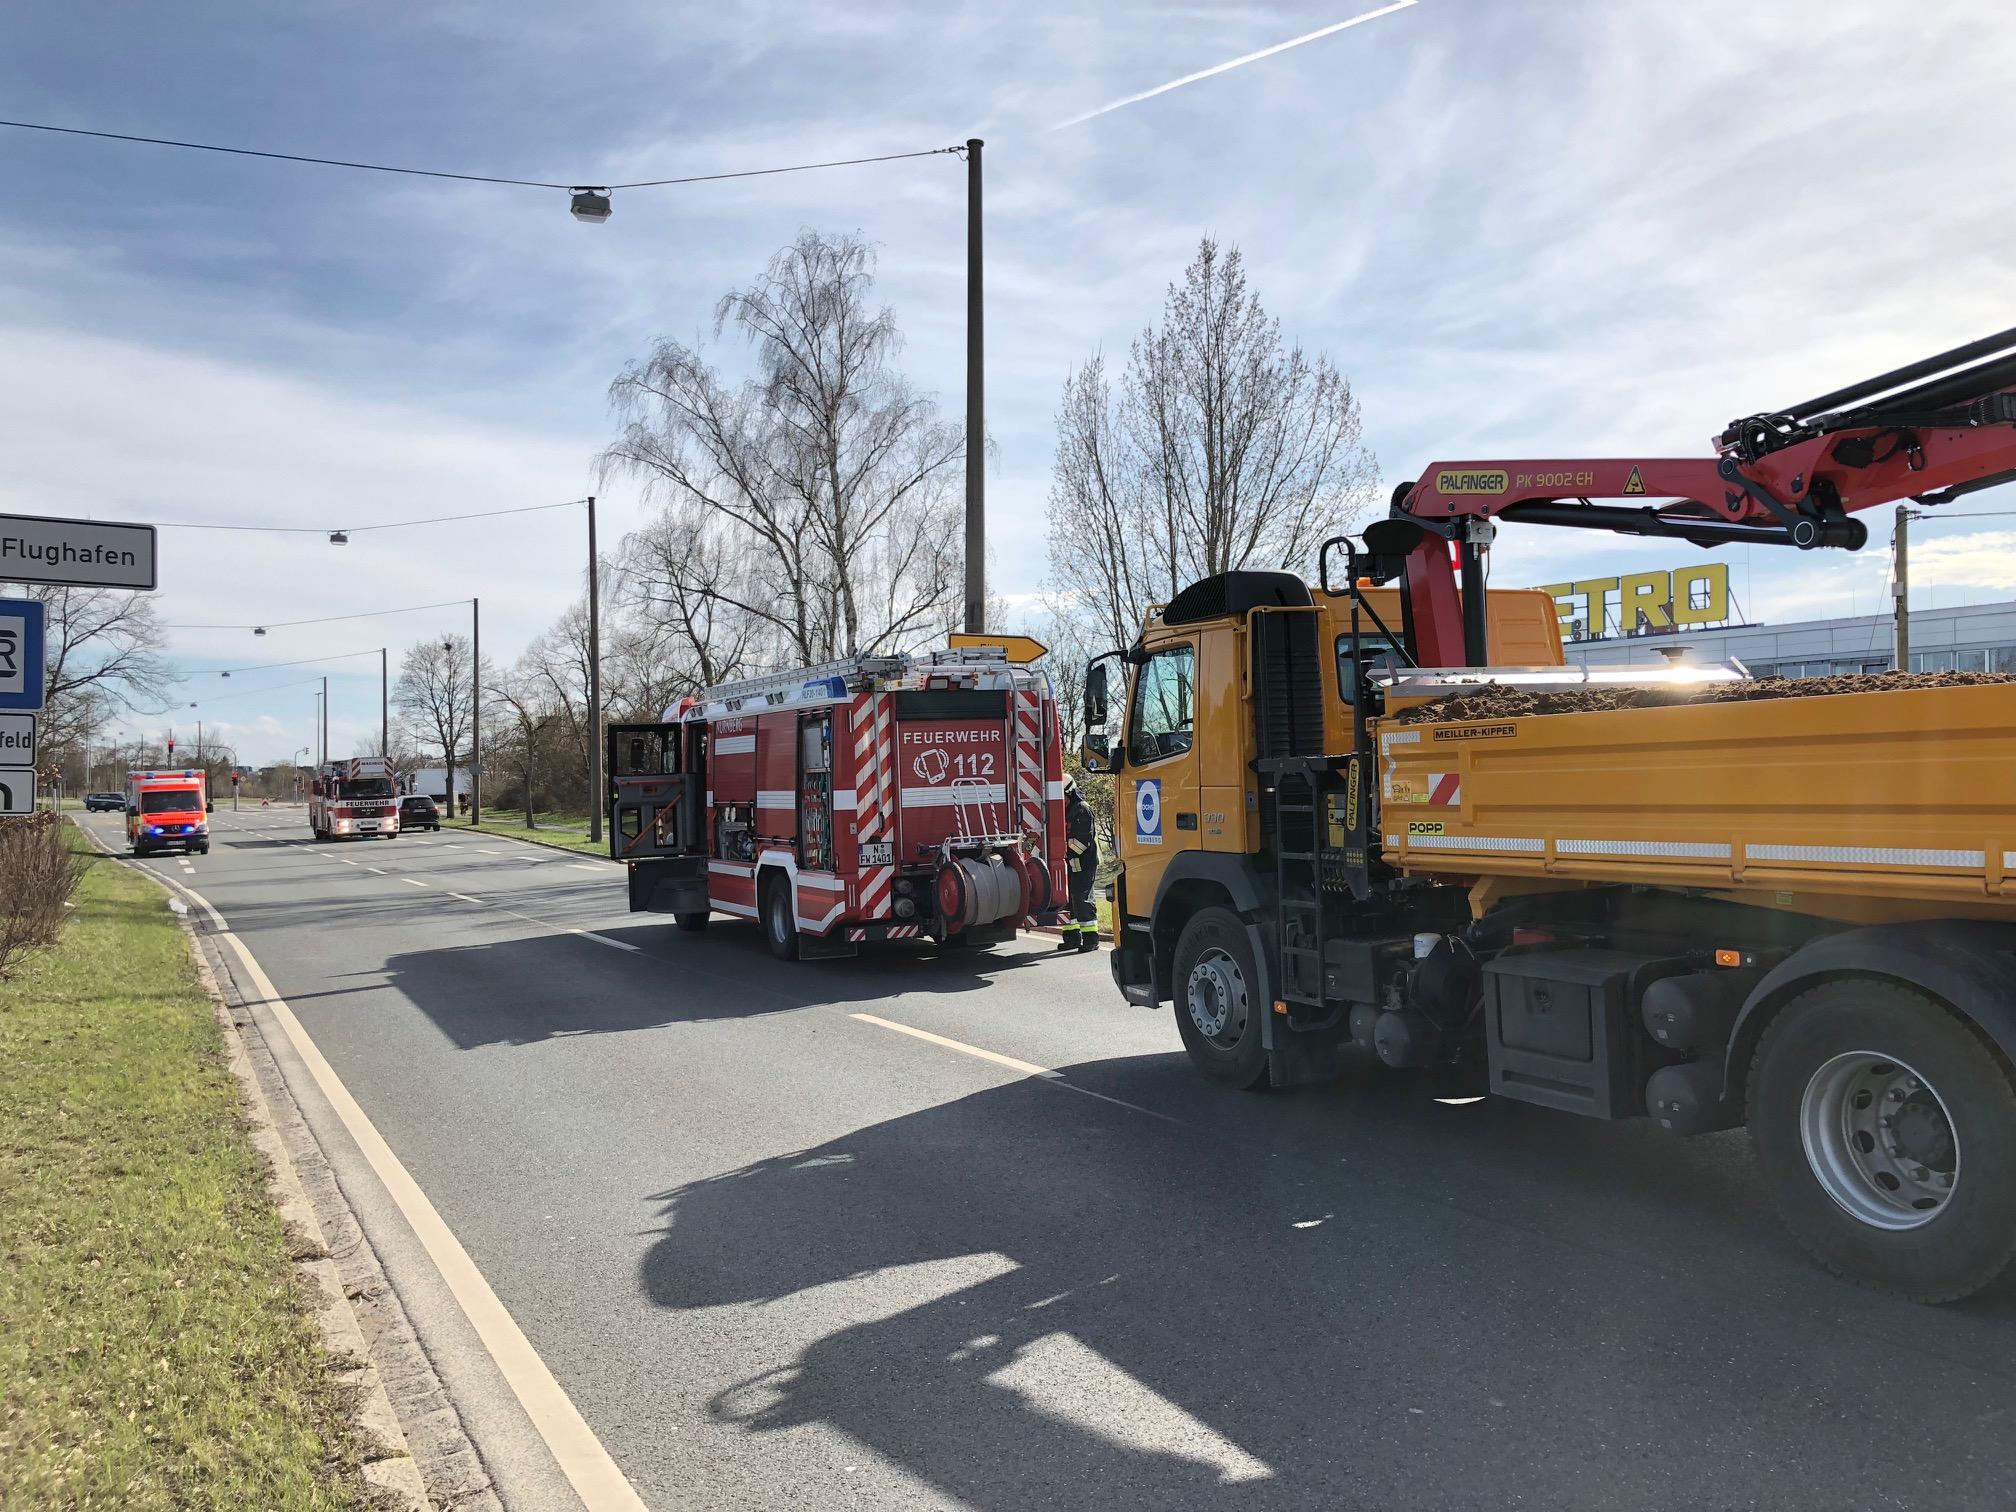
1252, 57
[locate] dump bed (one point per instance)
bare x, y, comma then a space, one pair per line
1865, 805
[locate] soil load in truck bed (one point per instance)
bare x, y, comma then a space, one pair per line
1498, 701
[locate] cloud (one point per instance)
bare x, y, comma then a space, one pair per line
1582, 229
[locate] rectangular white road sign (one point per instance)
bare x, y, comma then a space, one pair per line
17, 790
17, 740
76, 553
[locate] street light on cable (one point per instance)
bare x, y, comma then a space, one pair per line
589, 204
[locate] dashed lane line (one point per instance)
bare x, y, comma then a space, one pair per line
411, 883
1041, 1073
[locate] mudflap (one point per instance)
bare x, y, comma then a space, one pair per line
826, 947
1304, 1058
669, 884
1133, 964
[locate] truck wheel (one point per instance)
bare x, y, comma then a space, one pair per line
690, 923
780, 926
1218, 1000
1886, 1128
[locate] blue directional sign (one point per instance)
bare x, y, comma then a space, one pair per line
21, 664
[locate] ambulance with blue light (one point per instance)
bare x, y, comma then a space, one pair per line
167, 811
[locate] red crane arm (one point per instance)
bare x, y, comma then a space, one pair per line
1929, 432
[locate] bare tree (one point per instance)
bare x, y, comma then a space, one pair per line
523, 699
825, 477
435, 695
103, 657
1222, 449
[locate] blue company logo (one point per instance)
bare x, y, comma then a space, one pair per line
1148, 811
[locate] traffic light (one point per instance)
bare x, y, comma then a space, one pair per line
171, 747
235, 775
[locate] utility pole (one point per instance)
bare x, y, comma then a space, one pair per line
325, 720
199, 742
976, 405
594, 683
384, 710
1900, 587
475, 715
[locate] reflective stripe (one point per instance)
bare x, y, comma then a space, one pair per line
843, 801
1867, 855
953, 797
1054, 792
1399, 737
776, 798
734, 745
1688, 849
1473, 842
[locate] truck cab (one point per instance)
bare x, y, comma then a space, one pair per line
1237, 670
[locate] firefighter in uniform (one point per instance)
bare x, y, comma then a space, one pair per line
1081, 924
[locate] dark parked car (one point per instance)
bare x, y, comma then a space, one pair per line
417, 811
104, 803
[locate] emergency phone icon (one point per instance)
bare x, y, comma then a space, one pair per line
931, 765
1148, 811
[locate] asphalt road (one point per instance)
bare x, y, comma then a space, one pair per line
784, 1256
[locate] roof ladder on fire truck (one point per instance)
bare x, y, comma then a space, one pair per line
775, 687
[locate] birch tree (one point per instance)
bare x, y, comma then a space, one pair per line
825, 477
1219, 447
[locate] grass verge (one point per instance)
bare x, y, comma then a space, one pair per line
154, 1351
562, 832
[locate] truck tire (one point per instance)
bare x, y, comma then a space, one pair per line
780, 924
690, 923
1218, 1000
1918, 1201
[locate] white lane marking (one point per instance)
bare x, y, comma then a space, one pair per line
484, 850
573, 1444
348, 862
961, 1046
589, 934
465, 897
1042, 1073
377, 869
585, 865
411, 883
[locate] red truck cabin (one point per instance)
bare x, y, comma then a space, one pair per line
885, 798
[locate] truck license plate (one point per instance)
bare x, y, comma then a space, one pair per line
878, 852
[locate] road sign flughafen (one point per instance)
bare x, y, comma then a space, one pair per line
76, 553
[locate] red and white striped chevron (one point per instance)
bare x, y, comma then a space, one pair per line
874, 793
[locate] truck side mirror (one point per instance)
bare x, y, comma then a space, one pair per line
1388, 544
1093, 752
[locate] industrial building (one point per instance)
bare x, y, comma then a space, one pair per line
1648, 617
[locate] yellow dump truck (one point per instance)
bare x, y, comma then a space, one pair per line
1388, 821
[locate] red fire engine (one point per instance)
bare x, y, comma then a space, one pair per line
354, 798
873, 798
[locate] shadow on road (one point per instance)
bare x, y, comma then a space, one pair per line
520, 991
1029, 1299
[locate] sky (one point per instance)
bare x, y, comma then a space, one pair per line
1579, 228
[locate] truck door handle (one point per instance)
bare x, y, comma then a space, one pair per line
1186, 821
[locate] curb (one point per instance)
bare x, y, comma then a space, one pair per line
388, 1466
391, 1476
565, 850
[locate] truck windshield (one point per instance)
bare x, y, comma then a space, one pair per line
365, 787
170, 801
